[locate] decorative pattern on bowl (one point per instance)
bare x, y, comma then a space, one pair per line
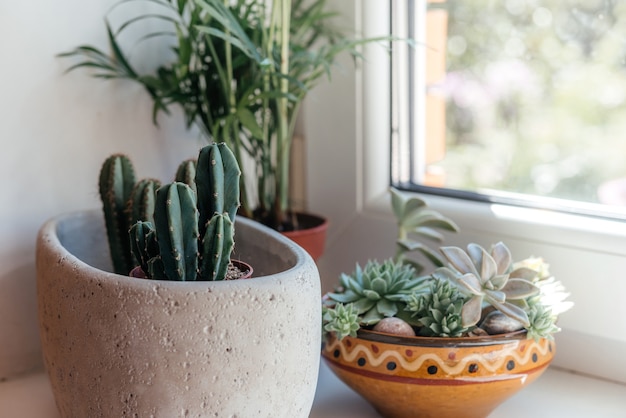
437, 377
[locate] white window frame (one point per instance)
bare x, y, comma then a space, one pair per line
347, 126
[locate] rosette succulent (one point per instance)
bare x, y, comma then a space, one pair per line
488, 277
342, 319
438, 310
378, 290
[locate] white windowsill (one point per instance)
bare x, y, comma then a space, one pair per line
556, 393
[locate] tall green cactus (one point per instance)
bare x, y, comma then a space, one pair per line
217, 180
117, 179
186, 173
140, 204
176, 223
195, 236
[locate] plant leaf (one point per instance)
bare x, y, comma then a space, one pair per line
459, 260
471, 311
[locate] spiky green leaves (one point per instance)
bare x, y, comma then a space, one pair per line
487, 277
378, 290
341, 319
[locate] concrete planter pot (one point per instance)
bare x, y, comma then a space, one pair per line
116, 346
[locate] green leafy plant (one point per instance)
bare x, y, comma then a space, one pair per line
471, 292
240, 71
415, 218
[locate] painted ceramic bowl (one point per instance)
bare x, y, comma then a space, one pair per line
420, 377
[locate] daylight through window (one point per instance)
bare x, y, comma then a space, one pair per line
520, 99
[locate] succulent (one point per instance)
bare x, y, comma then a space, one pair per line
488, 277
341, 319
414, 217
194, 233
116, 182
542, 322
438, 309
378, 290
470, 293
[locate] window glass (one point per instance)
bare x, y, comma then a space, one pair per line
513, 97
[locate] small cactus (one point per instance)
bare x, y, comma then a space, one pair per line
140, 204
186, 173
194, 232
116, 182
176, 223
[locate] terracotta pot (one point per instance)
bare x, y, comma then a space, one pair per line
312, 234
116, 346
418, 377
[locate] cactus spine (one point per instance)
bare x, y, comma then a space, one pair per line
195, 236
117, 179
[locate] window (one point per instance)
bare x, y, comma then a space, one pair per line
348, 159
517, 101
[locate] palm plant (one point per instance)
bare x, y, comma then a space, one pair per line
240, 70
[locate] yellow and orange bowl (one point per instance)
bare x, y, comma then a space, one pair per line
420, 377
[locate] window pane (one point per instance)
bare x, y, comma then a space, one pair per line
523, 96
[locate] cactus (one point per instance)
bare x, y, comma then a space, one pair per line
195, 240
143, 244
186, 173
217, 181
140, 205
176, 223
117, 179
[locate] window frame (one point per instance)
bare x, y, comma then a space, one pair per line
344, 123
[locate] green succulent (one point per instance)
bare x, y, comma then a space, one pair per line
341, 319
542, 321
378, 290
415, 218
438, 310
488, 277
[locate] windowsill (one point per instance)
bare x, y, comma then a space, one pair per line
557, 393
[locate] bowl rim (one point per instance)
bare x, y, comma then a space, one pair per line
382, 337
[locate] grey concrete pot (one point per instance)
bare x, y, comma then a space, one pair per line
116, 346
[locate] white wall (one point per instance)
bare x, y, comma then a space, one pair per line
55, 130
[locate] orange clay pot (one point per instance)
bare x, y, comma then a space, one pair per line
312, 234
419, 377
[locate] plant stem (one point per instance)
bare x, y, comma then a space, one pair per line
283, 140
